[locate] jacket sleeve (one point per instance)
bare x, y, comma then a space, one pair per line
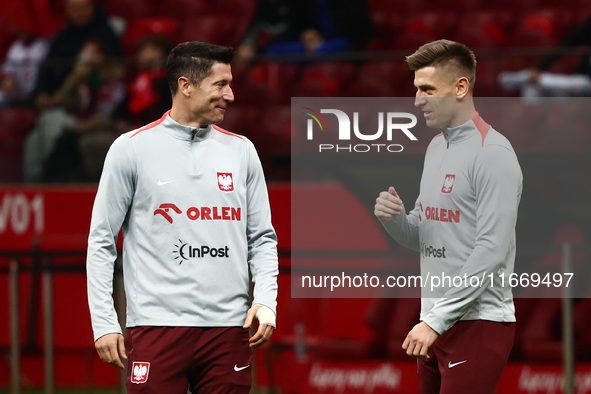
405, 227
497, 182
262, 240
112, 202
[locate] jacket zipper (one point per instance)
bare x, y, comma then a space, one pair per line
193, 159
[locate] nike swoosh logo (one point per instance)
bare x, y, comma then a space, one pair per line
237, 368
160, 183
450, 365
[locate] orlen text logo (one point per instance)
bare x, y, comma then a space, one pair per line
168, 211
184, 252
394, 122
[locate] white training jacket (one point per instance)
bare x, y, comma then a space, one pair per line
194, 210
463, 224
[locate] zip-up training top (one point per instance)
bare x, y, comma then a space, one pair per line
463, 223
194, 210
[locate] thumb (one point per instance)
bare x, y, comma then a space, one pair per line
392, 191
121, 344
249, 317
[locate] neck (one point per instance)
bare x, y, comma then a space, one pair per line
466, 111
185, 117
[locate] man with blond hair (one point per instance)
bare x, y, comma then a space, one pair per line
463, 224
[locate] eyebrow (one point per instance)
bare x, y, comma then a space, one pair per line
224, 80
425, 87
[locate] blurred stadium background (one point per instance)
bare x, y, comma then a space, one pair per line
321, 345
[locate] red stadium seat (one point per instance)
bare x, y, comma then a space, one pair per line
486, 78
583, 13
324, 79
276, 125
570, 4
234, 8
182, 11
439, 23
413, 36
516, 6
144, 27
485, 30
367, 88
396, 7
517, 62
526, 37
401, 80
374, 79
386, 28
541, 28
504, 18
216, 29
456, 5
278, 76
553, 22
274, 141
267, 83
130, 10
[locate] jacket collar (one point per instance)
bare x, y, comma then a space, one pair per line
473, 126
183, 132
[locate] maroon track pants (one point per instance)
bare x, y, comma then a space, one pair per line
205, 360
468, 358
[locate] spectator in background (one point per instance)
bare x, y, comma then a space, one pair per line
148, 95
20, 69
87, 20
75, 128
538, 82
306, 26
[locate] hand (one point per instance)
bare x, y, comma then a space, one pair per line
419, 339
111, 349
534, 76
388, 205
264, 332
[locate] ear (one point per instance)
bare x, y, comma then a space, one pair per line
462, 87
185, 86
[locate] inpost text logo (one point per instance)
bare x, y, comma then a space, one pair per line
395, 122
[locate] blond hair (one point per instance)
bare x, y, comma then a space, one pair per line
457, 59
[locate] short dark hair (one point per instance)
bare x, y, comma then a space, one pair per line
194, 59
456, 57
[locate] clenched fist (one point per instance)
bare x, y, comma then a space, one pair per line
419, 339
388, 205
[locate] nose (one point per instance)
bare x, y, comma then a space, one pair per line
420, 100
228, 94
